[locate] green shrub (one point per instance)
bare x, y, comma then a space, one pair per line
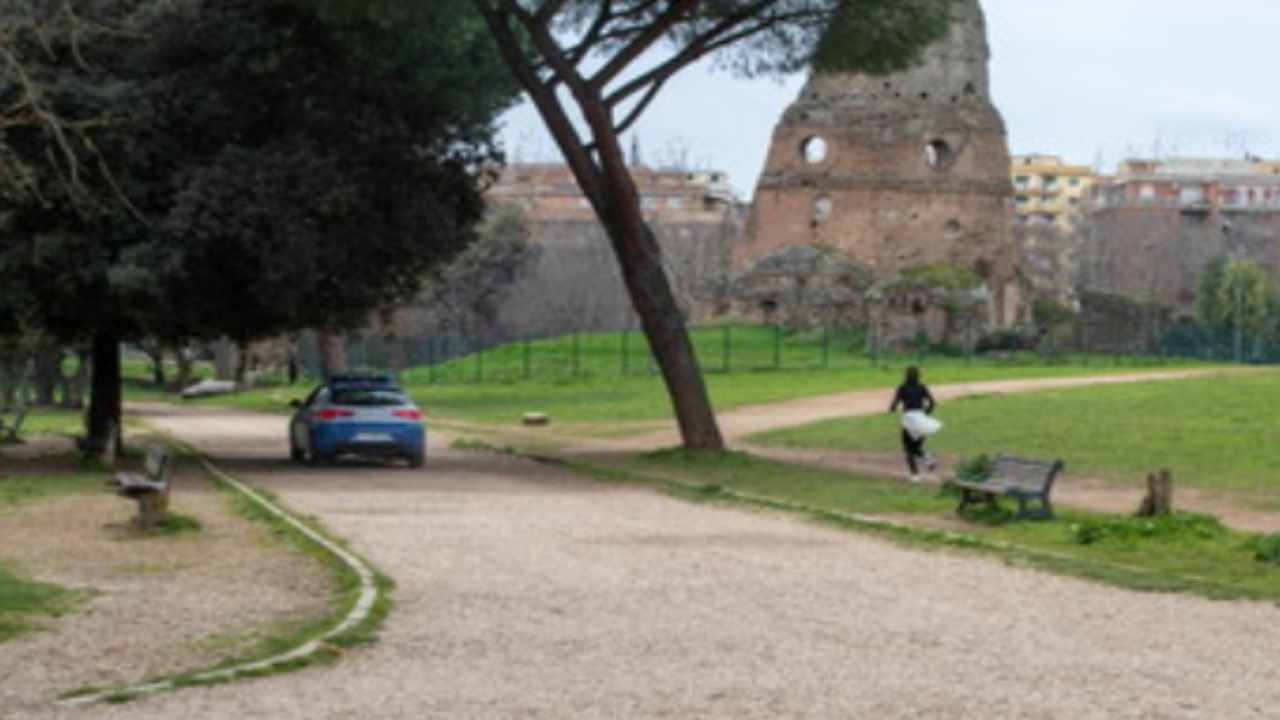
1175, 527
974, 469
1267, 548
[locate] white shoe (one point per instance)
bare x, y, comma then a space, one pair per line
915, 479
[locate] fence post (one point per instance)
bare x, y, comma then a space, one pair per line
431, 359
526, 358
576, 351
480, 365
826, 346
626, 357
777, 346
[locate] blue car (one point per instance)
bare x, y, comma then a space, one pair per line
365, 415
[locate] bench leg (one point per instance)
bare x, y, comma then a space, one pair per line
152, 508
970, 497
1044, 512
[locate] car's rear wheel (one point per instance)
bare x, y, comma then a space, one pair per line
296, 454
418, 459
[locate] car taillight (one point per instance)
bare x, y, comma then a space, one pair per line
408, 413
331, 413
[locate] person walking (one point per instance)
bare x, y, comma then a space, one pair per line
917, 405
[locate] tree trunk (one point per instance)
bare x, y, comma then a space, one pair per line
602, 174
663, 325
73, 386
48, 374
333, 353
1159, 497
183, 358
242, 363
157, 367
224, 359
104, 400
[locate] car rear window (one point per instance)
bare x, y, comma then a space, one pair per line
368, 397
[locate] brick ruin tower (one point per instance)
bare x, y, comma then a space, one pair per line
897, 170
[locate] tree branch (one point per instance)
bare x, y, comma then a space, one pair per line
699, 47
542, 94
645, 40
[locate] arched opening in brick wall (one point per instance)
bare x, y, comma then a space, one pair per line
814, 149
938, 154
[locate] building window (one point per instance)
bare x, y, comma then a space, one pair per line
1074, 182
1021, 199
1050, 182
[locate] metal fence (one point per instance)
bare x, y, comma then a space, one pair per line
455, 359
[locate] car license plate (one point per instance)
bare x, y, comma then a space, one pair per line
373, 437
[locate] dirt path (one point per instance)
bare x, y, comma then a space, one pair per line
1073, 489
526, 592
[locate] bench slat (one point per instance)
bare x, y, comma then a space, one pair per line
1021, 478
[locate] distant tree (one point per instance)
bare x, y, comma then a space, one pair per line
1235, 293
596, 53
466, 294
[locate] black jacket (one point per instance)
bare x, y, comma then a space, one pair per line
913, 397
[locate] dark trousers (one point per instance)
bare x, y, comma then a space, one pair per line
913, 448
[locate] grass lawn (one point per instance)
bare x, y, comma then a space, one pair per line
1184, 552
44, 421
615, 398
1213, 433
20, 487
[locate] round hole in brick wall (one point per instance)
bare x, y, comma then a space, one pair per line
822, 208
813, 149
938, 153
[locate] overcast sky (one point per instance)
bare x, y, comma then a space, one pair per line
1088, 80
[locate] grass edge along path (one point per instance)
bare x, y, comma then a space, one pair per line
23, 599
364, 614
1127, 576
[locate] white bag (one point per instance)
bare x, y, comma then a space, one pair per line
918, 424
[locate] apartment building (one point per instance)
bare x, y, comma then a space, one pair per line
1194, 185
1048, 191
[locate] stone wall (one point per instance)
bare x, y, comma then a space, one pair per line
576, 284
1156, 254
896, 171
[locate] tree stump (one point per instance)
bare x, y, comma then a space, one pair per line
536, 418
1159, 497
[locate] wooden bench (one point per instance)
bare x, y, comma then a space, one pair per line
150, 488
1023, 479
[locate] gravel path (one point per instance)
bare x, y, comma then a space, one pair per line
525, 592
